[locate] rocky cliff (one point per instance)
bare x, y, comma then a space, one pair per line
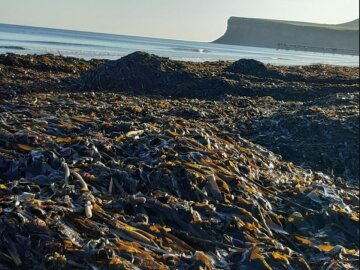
341, 38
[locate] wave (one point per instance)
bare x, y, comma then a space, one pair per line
13, 48
198, 50
50, 43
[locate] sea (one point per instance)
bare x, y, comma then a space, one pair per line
88, 45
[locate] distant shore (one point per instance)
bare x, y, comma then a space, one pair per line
288, 35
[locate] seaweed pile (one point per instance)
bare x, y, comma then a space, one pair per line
316, 127
21, 74
103, 180
252, 67
143, 73
320, 134
113, 180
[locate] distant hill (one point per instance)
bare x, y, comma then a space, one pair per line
328, 38
353, 25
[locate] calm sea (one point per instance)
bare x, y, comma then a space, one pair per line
34, 40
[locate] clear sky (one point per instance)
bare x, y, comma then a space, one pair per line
200, 20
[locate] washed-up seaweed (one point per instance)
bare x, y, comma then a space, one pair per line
123, 179
320, 134
102, 180
145, 73
21, 74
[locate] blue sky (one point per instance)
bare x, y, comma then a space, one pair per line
200, 20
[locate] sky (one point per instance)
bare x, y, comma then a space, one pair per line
197, 20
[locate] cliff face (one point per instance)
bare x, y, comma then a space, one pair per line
342, 38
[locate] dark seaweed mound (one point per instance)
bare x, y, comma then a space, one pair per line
136, 72
248, 66
253, 68
143, 73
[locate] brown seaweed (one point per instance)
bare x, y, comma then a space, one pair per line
104, 180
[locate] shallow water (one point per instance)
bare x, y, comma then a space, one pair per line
33, 40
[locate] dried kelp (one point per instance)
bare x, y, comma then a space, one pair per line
103, 180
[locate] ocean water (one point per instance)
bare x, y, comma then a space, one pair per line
34, 40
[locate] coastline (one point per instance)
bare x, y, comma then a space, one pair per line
88, 45
300, 36
216, 164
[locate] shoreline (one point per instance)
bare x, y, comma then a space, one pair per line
111, 57
113, 47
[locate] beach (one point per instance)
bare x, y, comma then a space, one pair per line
150, 163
